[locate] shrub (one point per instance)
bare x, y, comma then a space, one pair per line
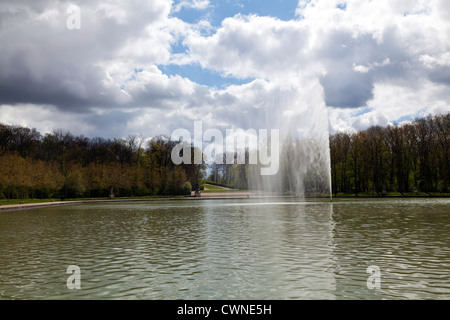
187, 188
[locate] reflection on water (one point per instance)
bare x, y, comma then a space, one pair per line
238, 249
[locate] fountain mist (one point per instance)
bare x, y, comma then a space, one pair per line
300, 115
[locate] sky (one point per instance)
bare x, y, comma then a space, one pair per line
150, 67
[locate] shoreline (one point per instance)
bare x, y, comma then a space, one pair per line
207, 196
210, 196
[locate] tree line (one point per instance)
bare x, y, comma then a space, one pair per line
412, 157
60, 164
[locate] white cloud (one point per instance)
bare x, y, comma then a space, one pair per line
391, 103
191, 4
391, 58
43, 118
430, 62
370, 66
251, 46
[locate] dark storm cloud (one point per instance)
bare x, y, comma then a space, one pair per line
347, 89
344, 87
110, 124
355, 63
441, 74
106, 79
43, 62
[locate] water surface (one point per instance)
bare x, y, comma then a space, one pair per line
233, 249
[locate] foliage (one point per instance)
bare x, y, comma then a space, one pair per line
187, 188
63, 165
412, 157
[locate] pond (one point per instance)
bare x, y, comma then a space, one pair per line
229, 249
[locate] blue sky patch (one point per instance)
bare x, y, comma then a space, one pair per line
131, 78
403, 119
342, 6
215, 13
411, 117
196, 73
219, 10
361, 111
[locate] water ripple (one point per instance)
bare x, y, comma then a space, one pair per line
240, 249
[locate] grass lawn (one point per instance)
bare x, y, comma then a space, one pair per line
5, 202
211, 187
225, 191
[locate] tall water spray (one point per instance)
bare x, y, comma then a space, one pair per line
301, 116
